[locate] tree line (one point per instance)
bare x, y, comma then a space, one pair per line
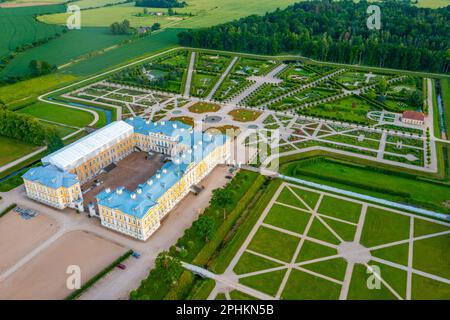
28, 129
410, 38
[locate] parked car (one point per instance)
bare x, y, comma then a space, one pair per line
136, 254
121, 266
228, 177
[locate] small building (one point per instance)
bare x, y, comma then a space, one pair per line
413, 117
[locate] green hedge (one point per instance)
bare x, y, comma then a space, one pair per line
98, 276
8, 209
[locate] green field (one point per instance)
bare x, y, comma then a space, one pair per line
29, 89
11, 149
18, 26
59, 114
70, 45
205, 13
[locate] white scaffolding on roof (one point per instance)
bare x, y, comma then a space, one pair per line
78, 152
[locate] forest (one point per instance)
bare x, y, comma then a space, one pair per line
410, 38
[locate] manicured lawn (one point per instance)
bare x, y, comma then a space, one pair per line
344, 230
432, 255
397, 254
304, 286
311, 250
358, 286
203, 107
339, 208
274, 244
334, 268
244, 115
59, 114
429, 289
186, 120
250, 263
424, 227
237, 295
320, 232
11, 149
309, 197
381, 226
266, 282
287, 218
287, 197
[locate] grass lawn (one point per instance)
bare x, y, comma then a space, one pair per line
287, 197
27, 89
266, 282
59, 114
424, 227
11, 149
250, 263
429, 289
309, 197
311, 250
287, 218
304, 286
274, 244
237, 295
186, 120
397, 254
358, 286
244, 115
320, 232
339, 208
432, 255
344, 230
334, 268
381, 226
203, 107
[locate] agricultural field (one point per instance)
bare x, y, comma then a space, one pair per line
205, 13
69, 46
309, 244
18, 26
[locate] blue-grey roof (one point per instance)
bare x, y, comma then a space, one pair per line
51, 177
167, 128
137, 203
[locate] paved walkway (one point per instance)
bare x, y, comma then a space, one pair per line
187, 86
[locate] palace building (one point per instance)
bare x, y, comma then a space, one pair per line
188, 157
